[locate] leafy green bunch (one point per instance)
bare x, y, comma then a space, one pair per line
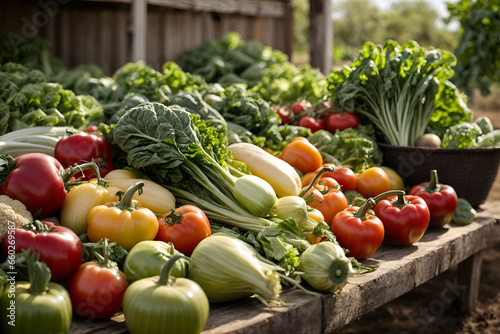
396, 88
27, 99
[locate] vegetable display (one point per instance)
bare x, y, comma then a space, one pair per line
157, 192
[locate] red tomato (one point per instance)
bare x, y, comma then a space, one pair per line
405, 219
96, 290
440, 198
328, 204
372, 181
284, 113
342, 121
362, 235
59, 247
303, 155
343, 175
324, 109
312, 123
35, 180
91, 129
184, 228
299, 107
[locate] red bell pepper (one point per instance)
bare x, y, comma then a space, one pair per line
360, 231
59, 247
440, 198
83, 147
405, 219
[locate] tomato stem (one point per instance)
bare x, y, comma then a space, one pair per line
172, 218
37, 227
167, 267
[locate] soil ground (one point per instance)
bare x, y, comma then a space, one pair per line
420, 311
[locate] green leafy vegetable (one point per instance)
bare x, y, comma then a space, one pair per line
462, 135
27, 99
395, 87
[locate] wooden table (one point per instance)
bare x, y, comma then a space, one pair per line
400, 269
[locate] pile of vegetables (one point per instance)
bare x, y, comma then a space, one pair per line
183, 191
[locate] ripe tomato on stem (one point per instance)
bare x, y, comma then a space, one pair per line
314, 124
59, 247
185, 228
342, 121
299, 107
285, 114
96, 288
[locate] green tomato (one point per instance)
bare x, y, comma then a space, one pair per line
49, 312
147, 258
164, 304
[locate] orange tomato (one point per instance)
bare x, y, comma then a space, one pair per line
372, 181
302, 155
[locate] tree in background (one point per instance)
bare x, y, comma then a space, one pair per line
478, 50
359, 21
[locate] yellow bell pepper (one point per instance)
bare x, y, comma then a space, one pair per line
122, 222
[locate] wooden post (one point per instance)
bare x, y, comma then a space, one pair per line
139, 29
321, 34
469, 275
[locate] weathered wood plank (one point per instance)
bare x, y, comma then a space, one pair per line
247, 7
400, 269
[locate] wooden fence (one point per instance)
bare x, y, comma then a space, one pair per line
111, 33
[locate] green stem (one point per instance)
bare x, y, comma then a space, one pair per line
433, 185
324, 169
372, 201
72, 170
167, 267
126, 201
39, 275
37, 227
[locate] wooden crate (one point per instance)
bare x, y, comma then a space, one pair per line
111, 33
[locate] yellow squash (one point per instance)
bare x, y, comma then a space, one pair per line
154, 196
